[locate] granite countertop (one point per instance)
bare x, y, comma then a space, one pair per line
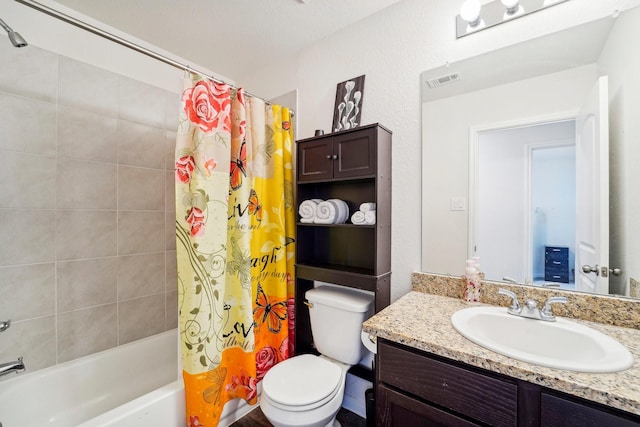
422, 321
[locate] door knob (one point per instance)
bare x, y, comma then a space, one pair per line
4, 325
615, 271
589, 269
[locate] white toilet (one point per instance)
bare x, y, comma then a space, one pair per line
307, 390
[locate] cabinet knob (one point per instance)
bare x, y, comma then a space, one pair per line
335, 156
329, 156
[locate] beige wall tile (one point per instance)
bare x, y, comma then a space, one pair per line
27, 291
172, 309
27, 125
86, 185
140, 145
87, 87
140, 232
141, 102
141, 317
86, 331
170, 231
26, 236
141, 275
141, 188
171, 271
87, 136
36, 176
86, 234
86, 283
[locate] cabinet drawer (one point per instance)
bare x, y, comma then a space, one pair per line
481, 397
556, 254
396, 409
558, 411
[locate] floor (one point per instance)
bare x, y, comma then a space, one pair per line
256, 418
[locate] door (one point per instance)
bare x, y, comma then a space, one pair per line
592, 191
315, 159
355, 153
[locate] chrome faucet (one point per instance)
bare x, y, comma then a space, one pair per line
16, 366
530, 308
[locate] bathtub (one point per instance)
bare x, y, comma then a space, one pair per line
138, 379
133, 385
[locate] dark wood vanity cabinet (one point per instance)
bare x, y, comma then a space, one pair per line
354, 166
416, 388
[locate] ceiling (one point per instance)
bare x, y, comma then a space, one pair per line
229, 37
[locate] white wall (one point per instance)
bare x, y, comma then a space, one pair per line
621, 62
553, 202
392, 48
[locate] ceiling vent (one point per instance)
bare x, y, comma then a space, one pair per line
439, 81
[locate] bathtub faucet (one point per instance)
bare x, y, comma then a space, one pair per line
7, 368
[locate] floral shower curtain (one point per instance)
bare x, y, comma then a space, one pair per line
235, 244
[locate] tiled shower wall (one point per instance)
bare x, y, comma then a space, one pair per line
87, 229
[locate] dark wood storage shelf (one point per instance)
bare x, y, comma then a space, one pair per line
354, 166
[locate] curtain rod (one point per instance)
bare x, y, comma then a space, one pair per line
121, 41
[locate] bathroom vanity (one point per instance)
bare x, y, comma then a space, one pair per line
429, 374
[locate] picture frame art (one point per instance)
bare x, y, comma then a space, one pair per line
348, 106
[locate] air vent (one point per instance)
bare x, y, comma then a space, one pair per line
439, 81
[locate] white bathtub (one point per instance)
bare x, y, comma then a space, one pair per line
142, 376
133, 385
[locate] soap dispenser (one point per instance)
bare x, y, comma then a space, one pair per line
472, 282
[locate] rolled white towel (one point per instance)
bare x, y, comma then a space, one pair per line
332, 211
370, 217
358, 218
307, 210
367, 206
343, 210
326, 212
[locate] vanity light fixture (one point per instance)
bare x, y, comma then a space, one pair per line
475, 16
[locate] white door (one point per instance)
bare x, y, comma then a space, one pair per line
592, 191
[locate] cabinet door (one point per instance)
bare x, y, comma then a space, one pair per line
355, 154
315, 159
557, 411
396, 409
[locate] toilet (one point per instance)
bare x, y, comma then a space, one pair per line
307, 390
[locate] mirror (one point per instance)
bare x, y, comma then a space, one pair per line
545, 80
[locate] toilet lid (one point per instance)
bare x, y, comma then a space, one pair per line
302, 380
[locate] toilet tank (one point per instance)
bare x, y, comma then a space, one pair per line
336, 318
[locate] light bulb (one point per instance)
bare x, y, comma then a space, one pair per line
470, 12
511, 5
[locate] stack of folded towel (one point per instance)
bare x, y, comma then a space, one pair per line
365, 215
317, 211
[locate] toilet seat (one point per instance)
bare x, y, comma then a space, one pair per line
288, 384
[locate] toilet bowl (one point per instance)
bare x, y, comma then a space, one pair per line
307, 390
304, 391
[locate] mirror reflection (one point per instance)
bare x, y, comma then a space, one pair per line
528, 160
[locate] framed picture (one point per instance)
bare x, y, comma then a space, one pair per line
348, 107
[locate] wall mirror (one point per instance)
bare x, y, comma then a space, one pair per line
512, 171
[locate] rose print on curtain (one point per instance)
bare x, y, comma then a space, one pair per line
235, 244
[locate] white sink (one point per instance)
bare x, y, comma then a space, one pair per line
562, 344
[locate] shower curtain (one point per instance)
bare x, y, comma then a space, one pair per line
235, 244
